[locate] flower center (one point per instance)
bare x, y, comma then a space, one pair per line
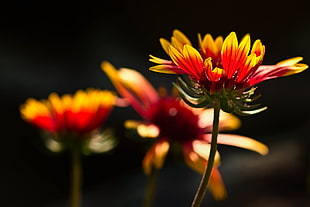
175, 121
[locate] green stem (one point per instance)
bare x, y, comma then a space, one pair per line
76, 182
206, 176
150, 189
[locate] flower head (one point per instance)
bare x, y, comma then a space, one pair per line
221, 69
75, 116
80, 113
168, 119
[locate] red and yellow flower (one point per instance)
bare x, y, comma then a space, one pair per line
221, 69
75, 115
171, 121
72, 122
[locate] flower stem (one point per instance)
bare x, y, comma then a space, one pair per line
150, 189
206, 175
76, 182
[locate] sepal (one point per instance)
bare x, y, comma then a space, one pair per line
230, 101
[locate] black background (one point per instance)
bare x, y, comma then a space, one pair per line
50, 46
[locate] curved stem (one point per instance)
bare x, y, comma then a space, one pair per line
206, 176
150, 189
76, 179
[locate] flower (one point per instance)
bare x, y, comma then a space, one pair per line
73, 121
171, 121
77, 115
221, 69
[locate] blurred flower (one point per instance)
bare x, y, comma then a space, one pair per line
77, 116
221, 69
73, 122
171, 121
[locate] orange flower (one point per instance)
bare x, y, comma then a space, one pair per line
76, 114
171, 121
221, 69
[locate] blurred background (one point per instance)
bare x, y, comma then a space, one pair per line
50, 46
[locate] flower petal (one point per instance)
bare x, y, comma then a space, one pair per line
196, 158
193, 59
160, 60
243, 50
166, 66
33, 108
135, 81
155, 156
193, 159
165, 44
240, 141
229, 54
209, 47
190, 61
227, 121
292, 66
284, 68
132, 86
150, 130
216, 185
203, 148
258, 49
181, 38
143, 129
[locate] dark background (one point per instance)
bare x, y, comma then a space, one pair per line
50, 46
